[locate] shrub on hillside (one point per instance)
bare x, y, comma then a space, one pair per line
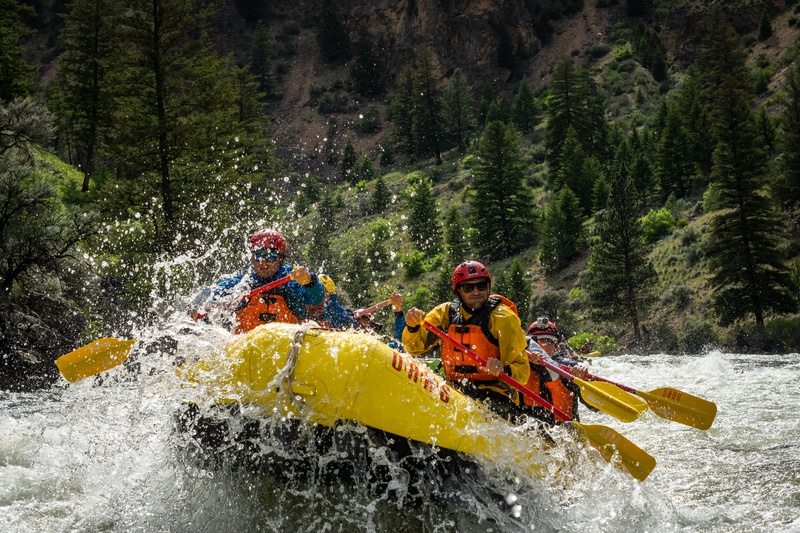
696, 335
657, 224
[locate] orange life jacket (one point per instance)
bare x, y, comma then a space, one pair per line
475, 335
562, 398
553, 391
263, 308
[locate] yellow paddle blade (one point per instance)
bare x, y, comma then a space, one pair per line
681, 407
607, 441
611, 400
93, 358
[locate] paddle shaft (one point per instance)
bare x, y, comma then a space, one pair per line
254, 292
591, 377
361, 312
503, 376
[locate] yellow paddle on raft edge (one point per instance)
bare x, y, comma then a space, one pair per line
673, 404
105, 354
608, 442
605, 396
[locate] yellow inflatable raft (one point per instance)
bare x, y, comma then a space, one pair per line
325, 376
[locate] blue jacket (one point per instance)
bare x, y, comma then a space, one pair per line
337, 316
297, 296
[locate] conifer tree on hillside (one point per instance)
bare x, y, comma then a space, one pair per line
319, 253
248, 101
787, 184
620, 274
429, 108
177, 103
423, 222
748, 275
382, 196
572, 172
500, 202
16, 76
562, 234
575, 102
674, 168
513, 285
458, 246
697, 123
764, 26
328, 210
501, 109
459, 105
600, 194
367, 71
349, 159
526, 110
766, 128
262, 51
91, 50
334, 44
402, 113
487, 98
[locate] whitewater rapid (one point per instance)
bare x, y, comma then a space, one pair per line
107, 456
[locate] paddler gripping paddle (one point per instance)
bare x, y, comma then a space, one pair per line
607, 441
105, 354
673, 404
361, 312
604, 396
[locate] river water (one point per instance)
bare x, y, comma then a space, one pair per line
107, 456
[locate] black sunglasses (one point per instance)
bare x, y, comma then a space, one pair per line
468, 287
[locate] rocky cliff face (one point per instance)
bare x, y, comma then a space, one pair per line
458, 31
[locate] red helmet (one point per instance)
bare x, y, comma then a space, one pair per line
542, 326
469, 270
267, 238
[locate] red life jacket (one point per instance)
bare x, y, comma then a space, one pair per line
475, 335
553, 391
264, 308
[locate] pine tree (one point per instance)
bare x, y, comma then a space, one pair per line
381, 198
262, 51
562, 235
572, 172
367, 70
387, 156
328, 210
16, 76
443, 288
402, 113
357, 280
487, 97
459, 105
362, 170
674, 168
429, 107
423, 225
600, 194
177, 104
787, 184
349, 159
526, 111
501, 109
331, 35
91, 46
500, 202
320, 256
458, 248
620, 275
514, 286
748, 275
575, 102
377, 255
766, 128
764, 26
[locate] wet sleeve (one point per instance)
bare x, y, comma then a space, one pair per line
314, 292
337, 316
504, 324
399, 325
419, 340
534, 346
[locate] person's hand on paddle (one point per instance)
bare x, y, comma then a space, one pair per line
494, 367
397, 301
579, 371
300, 275
414, 317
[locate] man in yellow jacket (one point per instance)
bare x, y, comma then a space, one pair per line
489, 326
